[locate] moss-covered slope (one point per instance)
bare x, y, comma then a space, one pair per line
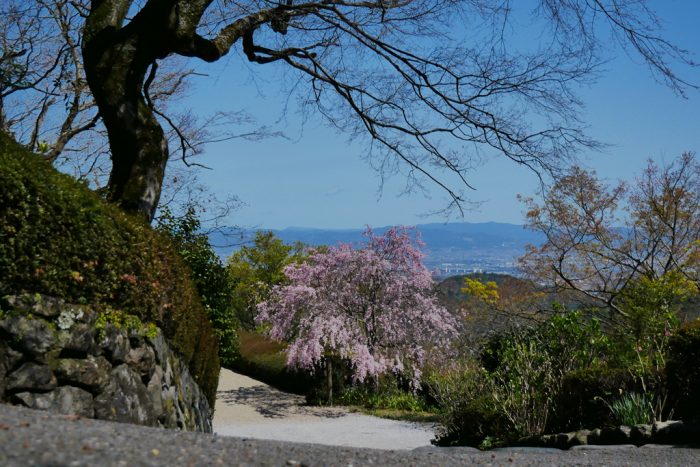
59, 238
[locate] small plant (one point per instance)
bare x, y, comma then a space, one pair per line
68, 317
124, 321
632, 409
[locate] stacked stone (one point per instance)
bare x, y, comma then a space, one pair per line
52, 357
674, 432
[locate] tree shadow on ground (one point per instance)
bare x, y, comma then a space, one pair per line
271, 403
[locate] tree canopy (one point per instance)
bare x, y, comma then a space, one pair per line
431, 83
631, 248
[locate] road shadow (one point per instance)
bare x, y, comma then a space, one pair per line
275, 404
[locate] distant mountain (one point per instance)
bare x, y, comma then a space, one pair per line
456, 248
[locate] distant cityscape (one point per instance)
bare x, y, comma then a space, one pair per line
451, 249
456, 269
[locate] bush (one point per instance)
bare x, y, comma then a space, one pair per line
59, 238
585, 397
209, 276
527, 365
683, 372
469, 414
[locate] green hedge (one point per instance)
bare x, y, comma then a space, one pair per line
683, 372
59, 238
264, 359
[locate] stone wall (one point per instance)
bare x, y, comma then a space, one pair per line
75, 360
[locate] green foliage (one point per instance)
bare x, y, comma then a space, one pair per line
582, 400
683, 372
632, 409
254, 270
209, 276
60, 239
469, 414
512, 390
121, 320
651, 315
385, 395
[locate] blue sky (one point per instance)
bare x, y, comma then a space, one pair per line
317, 178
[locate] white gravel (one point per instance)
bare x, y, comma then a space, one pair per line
247, 408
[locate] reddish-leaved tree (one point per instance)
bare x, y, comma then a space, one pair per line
374, 307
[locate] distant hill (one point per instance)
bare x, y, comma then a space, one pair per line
467, 247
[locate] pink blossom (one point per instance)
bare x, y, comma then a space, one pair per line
374, 307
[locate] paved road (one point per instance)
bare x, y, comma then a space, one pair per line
247, 408
29, 437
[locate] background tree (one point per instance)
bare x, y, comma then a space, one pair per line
424, 79
633, 250
255, 270
373, 307
208, 274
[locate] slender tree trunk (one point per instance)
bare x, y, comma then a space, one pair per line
329, 379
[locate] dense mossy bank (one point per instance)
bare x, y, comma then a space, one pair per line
59, 238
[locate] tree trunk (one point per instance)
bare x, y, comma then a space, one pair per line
329, 380
116, 62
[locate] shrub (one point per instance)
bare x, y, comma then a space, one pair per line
209, 276
469, 414
683, 372
527, 366
584, 398
60, 239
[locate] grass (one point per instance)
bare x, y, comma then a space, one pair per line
397, 414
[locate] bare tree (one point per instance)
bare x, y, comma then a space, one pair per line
46, 104
44, 98
430, 81
602, 240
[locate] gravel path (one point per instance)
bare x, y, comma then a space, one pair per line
251, 409
29, 437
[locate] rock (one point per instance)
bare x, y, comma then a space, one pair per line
65, 400
669, 432
35, 336
563, 440
81, 339
31, 376
115, 344
594, 436
58, 364
579, 438
142, 359
155, 389
125, 399
91, 372
549, 441
641, 434
160, 347
615, 435
36, 304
